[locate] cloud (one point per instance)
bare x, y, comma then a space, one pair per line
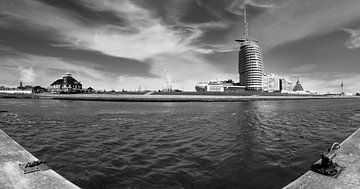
175, 46
306, 68
295, 20
27, 75
150, 36
354, 41
43, 70
185, 70
4, 49
141, 37
237, 6
274, 23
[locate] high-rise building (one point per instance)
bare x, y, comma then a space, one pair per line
250, 62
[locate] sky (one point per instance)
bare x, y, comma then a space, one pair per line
127, 44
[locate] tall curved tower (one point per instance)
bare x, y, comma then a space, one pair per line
250, 62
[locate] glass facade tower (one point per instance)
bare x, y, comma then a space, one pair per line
250, 65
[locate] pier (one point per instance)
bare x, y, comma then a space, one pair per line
348, 156
11, 176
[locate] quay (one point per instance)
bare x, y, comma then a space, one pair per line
348, 156
11, 176
179, 98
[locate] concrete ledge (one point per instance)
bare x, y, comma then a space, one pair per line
349, 156
12, 154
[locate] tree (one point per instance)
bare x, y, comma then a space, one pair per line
38, 89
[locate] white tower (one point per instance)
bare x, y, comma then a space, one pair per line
250, 61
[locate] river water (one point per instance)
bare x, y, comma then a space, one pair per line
250, 144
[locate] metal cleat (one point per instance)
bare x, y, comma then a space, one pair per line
33, 166
326, 166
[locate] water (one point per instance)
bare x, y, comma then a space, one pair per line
253, 144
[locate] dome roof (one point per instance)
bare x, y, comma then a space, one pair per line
298, 86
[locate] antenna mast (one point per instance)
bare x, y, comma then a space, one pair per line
342, 87
246, 29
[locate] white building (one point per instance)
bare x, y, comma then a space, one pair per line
273, 82
218, 86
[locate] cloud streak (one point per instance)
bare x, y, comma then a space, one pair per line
142, 37
354, 41
27, 74
237, 6
296, 20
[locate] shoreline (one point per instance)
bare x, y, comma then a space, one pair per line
168, 98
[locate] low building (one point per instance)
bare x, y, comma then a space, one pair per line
219, 86
67, 84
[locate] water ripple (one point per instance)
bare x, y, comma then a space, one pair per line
179, 145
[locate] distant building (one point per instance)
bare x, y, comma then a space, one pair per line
298, 87
67, 84
90, 90
21, 87
277, 83
271, 82
219, 86
286, 85
27, 89
250, 62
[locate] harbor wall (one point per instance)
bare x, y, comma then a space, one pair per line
169, 98
181, 98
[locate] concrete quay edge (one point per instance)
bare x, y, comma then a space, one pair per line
348, 156
11, 177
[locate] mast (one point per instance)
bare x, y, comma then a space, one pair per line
246, 28
342, 87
